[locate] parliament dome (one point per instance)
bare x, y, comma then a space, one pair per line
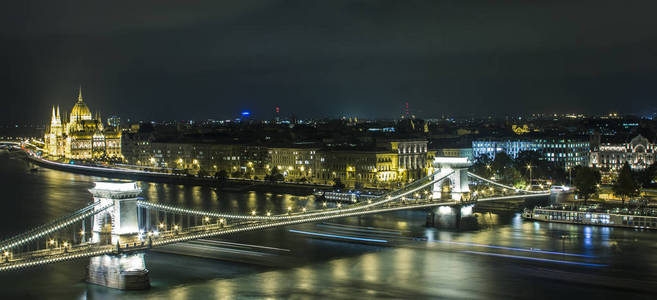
80, 110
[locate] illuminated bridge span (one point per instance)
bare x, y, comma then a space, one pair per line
122, 225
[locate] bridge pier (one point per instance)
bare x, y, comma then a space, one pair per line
123, 271
431, 219
449, 216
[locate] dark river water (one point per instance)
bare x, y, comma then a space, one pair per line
498, 256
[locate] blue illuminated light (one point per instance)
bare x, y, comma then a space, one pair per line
338, 236
515, 249
246, 113
535, 259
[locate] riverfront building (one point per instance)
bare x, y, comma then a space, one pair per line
639, 153
564, 151
386, 164
81, 136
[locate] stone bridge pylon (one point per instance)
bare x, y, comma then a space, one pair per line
459, 180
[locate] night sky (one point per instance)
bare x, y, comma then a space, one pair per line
159, 60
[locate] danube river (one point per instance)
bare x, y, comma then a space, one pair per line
503, 257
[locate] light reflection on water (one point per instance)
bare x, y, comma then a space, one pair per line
326, 269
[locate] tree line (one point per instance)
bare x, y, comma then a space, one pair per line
529, 167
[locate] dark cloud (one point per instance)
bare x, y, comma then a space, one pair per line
211, 59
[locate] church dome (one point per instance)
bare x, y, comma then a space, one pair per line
80, 110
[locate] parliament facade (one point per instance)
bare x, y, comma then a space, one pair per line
81, 136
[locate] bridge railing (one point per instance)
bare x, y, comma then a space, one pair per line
504, 186
390, 196
51, 227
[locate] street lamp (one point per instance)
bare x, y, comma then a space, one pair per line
253, 212
303, 209
529, 167
268, 213
339, 205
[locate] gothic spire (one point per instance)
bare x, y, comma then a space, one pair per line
80, 94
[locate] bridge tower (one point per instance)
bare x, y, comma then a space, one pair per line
122, 197
122, 271
459, 180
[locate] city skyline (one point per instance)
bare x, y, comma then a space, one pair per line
317, 59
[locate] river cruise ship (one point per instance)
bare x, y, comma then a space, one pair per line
640, 219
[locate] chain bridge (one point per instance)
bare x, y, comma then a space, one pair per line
118, 226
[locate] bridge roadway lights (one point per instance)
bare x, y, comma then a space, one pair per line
122, 271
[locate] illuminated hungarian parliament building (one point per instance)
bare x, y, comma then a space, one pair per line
81, 136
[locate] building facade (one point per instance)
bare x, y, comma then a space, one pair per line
387, 165
639, 153
412, 158
81, 136
563, 151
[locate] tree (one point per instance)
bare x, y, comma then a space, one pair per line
482, 166
625, 186
645, 177
501, 162
513, 177
275, 175
221, 176
586, 180
337, 183
530, 158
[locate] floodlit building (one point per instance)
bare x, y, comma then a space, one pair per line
81, 136
564, 151
639, 153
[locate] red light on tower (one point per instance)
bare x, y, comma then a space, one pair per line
277, 109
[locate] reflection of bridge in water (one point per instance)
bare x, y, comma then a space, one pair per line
122, 225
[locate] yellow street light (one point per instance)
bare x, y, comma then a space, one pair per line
339, 205
268, 214
324, 204
6, 253
289, 208
253, 212
207, 219
303, 209
175, 227
65, 244
52, 242
161, 225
